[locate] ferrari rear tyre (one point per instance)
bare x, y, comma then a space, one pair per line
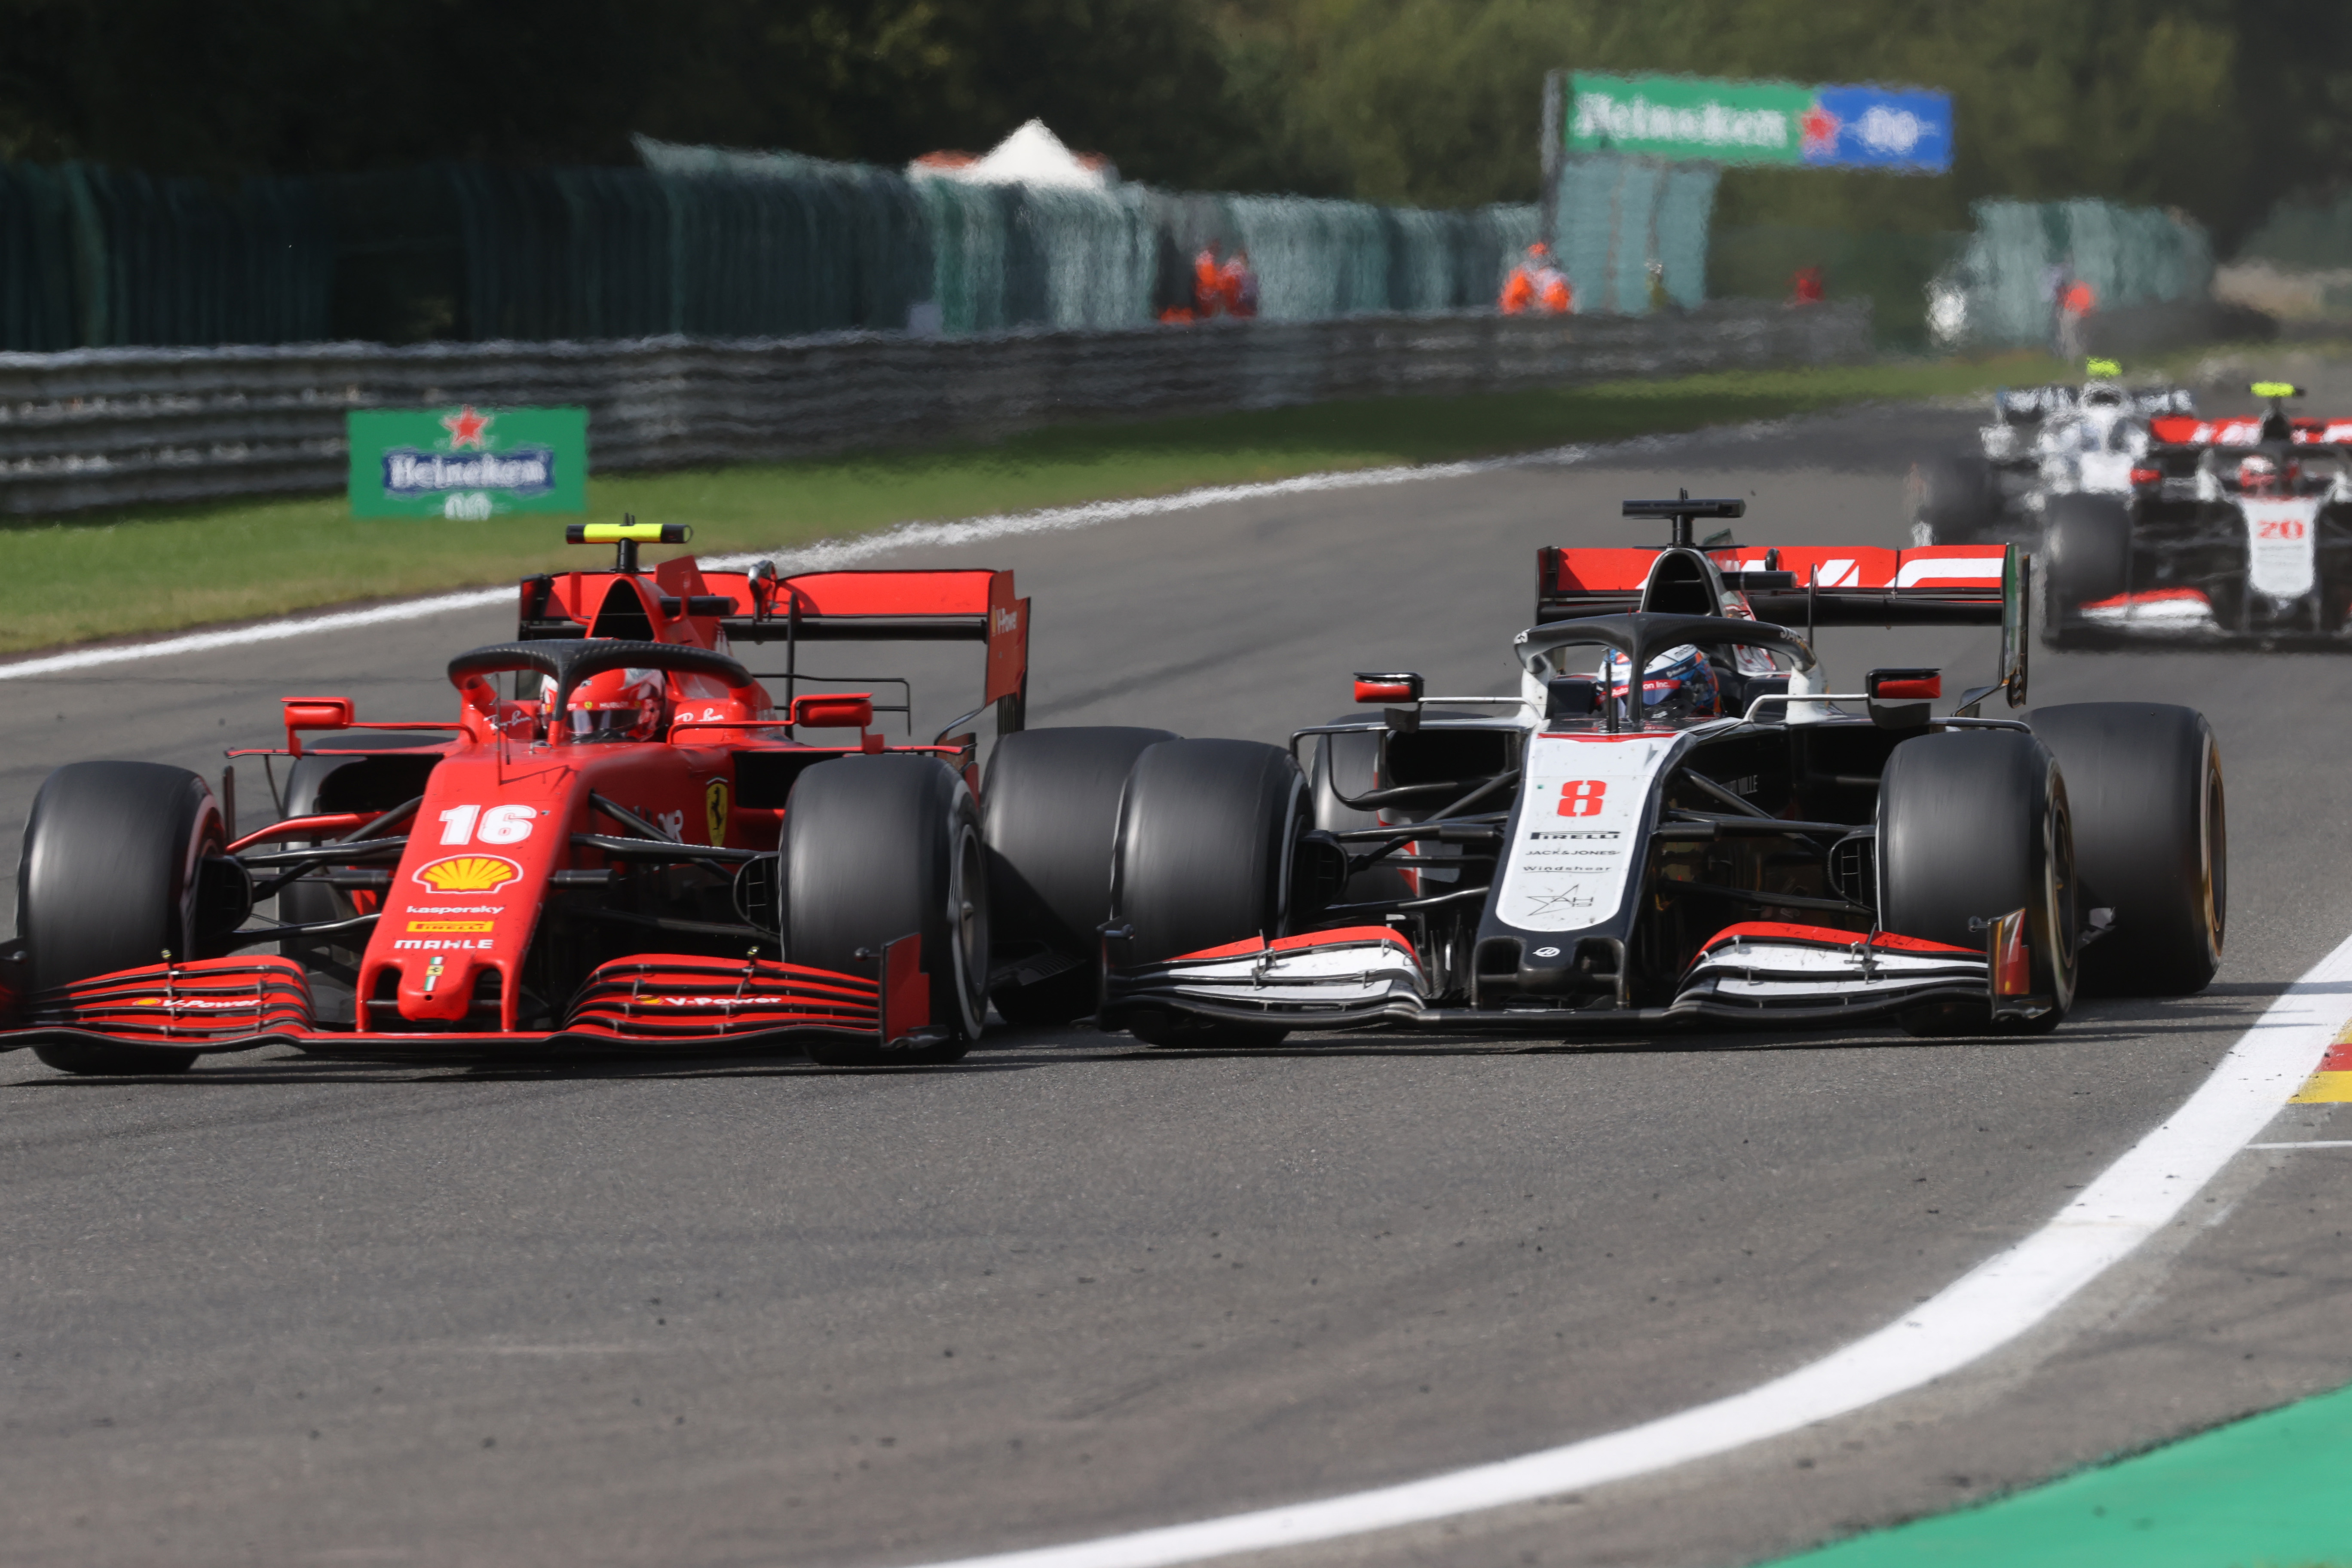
880, 848
1049, 817
2087, 542
1972, 826
2151, 841
110, 876
1202, 858
1953, 499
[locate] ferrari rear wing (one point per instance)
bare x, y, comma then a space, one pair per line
1819, 585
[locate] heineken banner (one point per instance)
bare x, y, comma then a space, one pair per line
1688, 118
468, 462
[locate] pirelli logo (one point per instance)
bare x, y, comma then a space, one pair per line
451, 927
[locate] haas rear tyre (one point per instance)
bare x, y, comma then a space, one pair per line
1050, 817
880, 848
1204, 852
1953, 499
1972, 826
2151, 841
2087, 540
110, 880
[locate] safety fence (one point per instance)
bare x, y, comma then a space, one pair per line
2003, 290
112, 426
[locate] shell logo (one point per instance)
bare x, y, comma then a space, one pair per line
468, 874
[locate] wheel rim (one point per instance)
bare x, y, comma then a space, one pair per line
2058, 875
2213, 849
967, 928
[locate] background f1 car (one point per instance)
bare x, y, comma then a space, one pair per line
2044, 443
2233, 528
622, 839
1715, 840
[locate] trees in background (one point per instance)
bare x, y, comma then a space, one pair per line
2215, 106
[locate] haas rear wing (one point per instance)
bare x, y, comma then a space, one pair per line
2246, 430
1820, 585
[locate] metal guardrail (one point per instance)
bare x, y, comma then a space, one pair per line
102, 427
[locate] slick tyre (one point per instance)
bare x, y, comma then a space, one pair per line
1970, 826
1049, 822
2087, 543
1349, 765
110, 878
876, 848
1953, 499
1202, 858
2151, 841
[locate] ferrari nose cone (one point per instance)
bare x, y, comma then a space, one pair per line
437, 986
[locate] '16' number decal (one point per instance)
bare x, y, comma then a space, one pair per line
1582, 797
499, 825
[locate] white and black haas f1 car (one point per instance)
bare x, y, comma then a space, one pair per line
2044, 444
2234, 530
1723, 839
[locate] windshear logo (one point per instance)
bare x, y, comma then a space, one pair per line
469, 874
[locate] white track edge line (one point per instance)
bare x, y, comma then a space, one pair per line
906, 535
1989, 1306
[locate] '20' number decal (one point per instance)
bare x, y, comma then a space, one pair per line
499, 825
1582, 797
2279, 527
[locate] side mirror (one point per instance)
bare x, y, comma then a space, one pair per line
835, 710
315, 713
1902, 699
2016, 612
1403, 686
1570, 697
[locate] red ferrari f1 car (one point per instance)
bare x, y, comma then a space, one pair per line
621, 839
1673, 818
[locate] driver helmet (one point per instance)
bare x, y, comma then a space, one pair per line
2258, 475
2102, 394
618, 705
1678, 684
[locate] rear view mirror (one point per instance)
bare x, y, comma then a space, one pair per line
1902, 699
1401, 686
315, 713
2016, 599
835, 710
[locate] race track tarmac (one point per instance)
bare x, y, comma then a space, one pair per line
287, 1311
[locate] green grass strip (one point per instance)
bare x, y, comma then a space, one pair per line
2273, 1491
152, 569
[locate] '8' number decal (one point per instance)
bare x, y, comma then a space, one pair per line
1582, 797
499, 825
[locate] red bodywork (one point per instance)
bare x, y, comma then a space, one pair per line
516, 819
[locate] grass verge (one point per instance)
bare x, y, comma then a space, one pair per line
152, 569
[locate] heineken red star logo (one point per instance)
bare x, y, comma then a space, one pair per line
1820, 128
467, 428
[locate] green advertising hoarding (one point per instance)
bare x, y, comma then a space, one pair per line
1681, 118
468, 463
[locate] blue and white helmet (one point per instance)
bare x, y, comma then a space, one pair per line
1678, 684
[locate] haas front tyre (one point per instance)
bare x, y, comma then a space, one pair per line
2088, 541
1972, 826
1051, 817
876, 848
2151, 841
1205, 835
111, 879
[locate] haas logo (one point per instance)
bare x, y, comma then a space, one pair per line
1582, 797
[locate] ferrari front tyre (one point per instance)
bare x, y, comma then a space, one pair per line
1202, 858
1953, 499
1972, 826
2151, 841
109, 880
1049, 815
880, 848
2087, 543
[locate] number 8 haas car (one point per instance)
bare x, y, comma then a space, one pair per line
628, 848
1723, 840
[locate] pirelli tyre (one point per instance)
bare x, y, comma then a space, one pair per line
1973, 825
2087, 543
1206, 831
1953, 499
1049, 820
2151, 841
112, 877
874, 848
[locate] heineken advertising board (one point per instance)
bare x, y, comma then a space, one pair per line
468, 463
1686, 118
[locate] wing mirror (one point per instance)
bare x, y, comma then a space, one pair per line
1402, 687
315, 713
1902, 699
835, 710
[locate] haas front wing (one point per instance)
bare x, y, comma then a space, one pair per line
1553, 947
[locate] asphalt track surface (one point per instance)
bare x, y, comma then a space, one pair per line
281, 1310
